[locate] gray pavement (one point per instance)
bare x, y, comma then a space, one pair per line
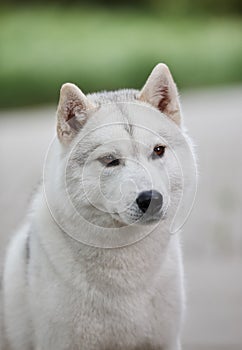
212, 237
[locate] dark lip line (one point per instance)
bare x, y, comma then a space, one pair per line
139, 220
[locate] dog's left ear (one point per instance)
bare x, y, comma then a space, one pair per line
72, 112
161, 92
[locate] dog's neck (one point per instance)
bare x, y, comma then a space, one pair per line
128, 266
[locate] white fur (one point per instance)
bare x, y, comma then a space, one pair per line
69, 295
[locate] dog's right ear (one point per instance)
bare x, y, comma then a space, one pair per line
72, 112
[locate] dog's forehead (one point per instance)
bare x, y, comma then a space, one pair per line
125, 129
126, 120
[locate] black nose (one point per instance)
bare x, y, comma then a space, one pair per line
150, 199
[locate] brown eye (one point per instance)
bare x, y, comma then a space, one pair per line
159, 150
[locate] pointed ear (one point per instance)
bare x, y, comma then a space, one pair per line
161, 92
72, 112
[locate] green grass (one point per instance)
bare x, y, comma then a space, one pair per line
40, 48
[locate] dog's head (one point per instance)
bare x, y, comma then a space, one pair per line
119, 150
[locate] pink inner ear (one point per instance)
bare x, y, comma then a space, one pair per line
164, 98
71, 109
69, 114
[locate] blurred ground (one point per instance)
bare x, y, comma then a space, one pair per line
212, 236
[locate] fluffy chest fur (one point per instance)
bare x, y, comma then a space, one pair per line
120, 295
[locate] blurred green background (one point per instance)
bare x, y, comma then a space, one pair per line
107, 45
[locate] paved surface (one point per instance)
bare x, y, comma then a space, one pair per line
212, 236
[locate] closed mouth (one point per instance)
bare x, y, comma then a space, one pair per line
143, 218
149, 218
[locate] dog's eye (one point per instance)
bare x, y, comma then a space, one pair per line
110, 161
114, 162
159, 150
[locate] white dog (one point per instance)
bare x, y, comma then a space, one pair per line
95, 267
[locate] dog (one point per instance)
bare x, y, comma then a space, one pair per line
95, 266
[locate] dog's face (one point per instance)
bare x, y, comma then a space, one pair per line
120, 155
